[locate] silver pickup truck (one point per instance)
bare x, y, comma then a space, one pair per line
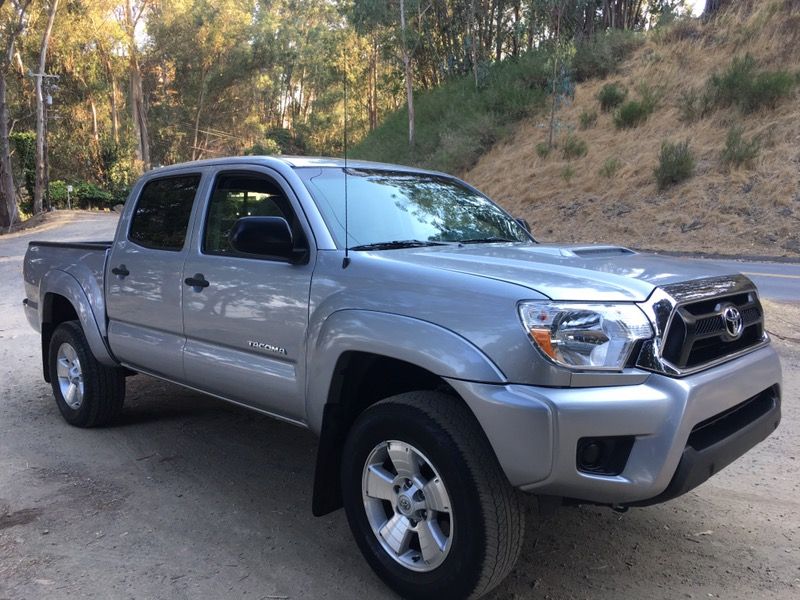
446, 359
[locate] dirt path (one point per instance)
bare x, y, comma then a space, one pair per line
188, 497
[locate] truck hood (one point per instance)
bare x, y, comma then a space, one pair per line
562, 272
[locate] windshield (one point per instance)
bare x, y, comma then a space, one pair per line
392, 206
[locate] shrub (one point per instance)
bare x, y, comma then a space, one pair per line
632, 114
567, 173
610, 96
768, 89
573, 147
610, 168
675, 164
266, 147
588, 119
743, 86
694, 105
738, 151
600, 56
543, 149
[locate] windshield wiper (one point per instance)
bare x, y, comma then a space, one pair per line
487, 240
394, 244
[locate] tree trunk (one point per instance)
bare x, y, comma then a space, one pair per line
137, 94
41, 158
499, 31
409, 76
8, 198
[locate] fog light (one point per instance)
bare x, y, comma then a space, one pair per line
603, 455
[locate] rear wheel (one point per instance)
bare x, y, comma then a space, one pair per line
87, 393
426, 499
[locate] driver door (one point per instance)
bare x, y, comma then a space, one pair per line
246, 329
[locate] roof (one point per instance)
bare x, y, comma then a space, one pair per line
296, 162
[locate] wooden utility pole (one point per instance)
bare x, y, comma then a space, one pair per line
41, 155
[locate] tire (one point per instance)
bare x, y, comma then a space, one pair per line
87, 393
477, 523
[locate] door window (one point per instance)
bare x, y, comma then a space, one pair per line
162, 213
244, 195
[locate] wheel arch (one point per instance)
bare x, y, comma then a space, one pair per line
359, 357
63, 299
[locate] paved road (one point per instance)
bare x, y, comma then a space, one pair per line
775, 281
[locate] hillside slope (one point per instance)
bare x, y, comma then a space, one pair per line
751, 210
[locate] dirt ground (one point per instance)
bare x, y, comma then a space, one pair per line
188, 497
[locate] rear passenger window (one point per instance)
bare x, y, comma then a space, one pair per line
162, 214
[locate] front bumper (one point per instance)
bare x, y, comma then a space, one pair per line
535, 431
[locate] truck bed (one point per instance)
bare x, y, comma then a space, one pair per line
81, 261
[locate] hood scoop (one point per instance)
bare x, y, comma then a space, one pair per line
598, 251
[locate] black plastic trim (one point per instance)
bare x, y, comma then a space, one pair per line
75, 245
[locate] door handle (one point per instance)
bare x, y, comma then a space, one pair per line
196, 282
121, 271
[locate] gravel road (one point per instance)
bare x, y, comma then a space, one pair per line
187, 497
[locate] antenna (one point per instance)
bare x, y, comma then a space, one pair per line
346, 259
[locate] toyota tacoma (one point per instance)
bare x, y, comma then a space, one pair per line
448, 362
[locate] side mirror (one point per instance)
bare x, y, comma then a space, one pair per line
524, 224
264, 236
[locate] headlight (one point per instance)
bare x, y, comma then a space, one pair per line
585, 336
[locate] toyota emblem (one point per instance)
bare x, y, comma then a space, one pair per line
734, 324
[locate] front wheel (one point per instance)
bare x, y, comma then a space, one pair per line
426, 499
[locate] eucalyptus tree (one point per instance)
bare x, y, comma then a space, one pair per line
12, 24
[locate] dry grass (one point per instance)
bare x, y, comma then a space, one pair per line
738, 212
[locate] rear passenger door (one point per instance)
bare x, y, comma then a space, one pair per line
144, 283
246, 328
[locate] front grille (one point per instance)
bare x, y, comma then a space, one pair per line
697, 333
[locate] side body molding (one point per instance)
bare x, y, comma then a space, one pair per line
418, 342
61, 283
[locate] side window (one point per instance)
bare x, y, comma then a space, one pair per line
161, 217
244, 195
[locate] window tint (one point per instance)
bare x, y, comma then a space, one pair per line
237, 196
162, 214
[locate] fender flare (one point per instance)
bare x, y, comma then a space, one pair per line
61, 283
443, 353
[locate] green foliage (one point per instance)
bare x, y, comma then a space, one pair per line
601, 55
632, 114
610, 96
675, 164
24, 144
573, 147
567, 173
84, 195
266, 147
456, 121
610, 168
739, 151
742, 85
543, 149
635, 112
588, 119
